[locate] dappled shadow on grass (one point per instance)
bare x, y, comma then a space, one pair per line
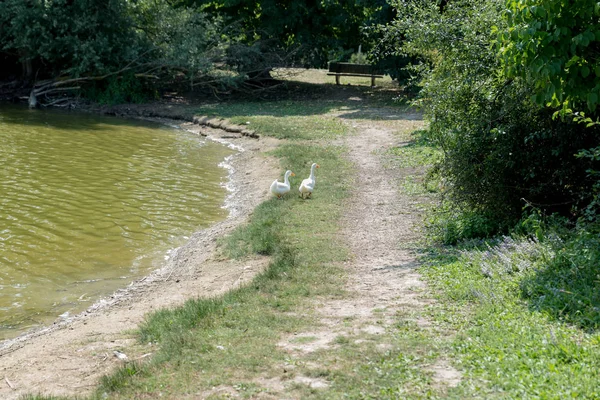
559, 278
567, 288
307, 99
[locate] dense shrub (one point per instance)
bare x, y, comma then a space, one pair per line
501, 150
120, 89
66, 37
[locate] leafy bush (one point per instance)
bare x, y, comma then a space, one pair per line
501, 150
554, 45
359, 58
450, 224
72, 37
120, 89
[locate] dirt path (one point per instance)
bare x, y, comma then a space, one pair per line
383, 282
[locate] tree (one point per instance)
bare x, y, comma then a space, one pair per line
555, 45
66, 37
501, 150
115, 50
315, 31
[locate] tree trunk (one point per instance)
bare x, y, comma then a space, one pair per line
26, 64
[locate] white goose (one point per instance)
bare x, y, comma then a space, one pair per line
308, 184
281, 188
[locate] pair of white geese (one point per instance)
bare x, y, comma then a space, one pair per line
306, 187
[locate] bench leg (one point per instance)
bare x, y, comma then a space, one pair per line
337, 79
372, 81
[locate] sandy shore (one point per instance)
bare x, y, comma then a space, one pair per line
69, 357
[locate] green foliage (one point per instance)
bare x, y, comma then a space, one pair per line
180, 37
75, 38
592, 211
553, 44
450, 224
120, 89
359, 58
388, 53
308, 33
150, 41
500, 150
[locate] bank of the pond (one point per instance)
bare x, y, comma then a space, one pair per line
74, 353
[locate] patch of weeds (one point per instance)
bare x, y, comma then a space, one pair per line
567, 286
413, 185
450, 224
120, 378
45, 397
262, 235
341, 339
318, 373
247, 390
418, 152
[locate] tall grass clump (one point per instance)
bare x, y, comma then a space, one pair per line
567, 286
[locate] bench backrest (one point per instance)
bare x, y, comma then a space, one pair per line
350, 68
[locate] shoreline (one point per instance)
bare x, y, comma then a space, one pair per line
192, 270
106, 300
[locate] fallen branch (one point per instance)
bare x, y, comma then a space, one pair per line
8, 383
58, 90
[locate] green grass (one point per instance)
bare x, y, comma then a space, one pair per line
523, 313
417, 152
505, 348
232, 339
293, 120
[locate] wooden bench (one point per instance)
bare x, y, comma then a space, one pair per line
338, 69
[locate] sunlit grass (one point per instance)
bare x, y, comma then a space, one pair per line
231, 339
503, 345
319, 76
281, 119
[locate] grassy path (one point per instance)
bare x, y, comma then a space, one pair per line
340, 310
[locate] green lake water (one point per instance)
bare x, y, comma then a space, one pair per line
89, 203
